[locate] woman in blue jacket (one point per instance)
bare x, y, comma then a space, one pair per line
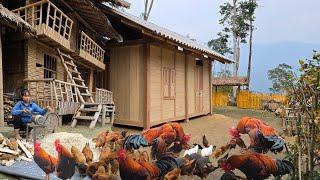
22, 112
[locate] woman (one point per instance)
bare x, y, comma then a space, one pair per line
22, 112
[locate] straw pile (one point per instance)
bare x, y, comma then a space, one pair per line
68, 140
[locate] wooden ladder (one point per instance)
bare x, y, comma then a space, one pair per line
88, 110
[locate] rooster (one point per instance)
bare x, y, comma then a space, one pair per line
256, 166
44, 160
134, 170
66, 163
170, 133
262, 136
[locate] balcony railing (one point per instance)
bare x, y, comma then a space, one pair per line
90, 50
103, 96
48, 20
60, 95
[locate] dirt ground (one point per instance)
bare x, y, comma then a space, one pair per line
215, 127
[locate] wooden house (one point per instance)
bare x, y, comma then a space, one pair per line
157, 75
62, 64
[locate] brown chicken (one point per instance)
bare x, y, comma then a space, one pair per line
88, 154
44, 160
256, 166
133, 170
102, 175
66, 163
100, 140
106, 154
173, 175
93, 167
188, 166
205, 141
80, 160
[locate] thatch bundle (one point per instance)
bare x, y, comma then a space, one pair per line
13, 19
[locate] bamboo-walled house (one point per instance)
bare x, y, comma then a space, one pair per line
60, 63
91, 60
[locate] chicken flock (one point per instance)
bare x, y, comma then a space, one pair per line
164, 152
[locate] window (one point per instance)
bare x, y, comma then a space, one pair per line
169, 83
50, 67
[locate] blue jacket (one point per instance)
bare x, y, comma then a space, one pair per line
32, 107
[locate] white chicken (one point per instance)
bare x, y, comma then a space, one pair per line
207, 151
191, 151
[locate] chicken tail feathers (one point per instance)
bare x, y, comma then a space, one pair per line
133, 142
277, 143
166, 164
283, 167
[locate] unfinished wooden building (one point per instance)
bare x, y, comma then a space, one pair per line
63, 64
157, 75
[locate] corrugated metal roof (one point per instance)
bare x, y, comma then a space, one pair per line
170, 35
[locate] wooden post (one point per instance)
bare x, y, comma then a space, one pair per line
146, 54
90, 83
210, 87
186, 88
1, 84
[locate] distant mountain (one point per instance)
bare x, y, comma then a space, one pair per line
268, 56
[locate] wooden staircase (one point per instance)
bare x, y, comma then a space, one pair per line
88, 110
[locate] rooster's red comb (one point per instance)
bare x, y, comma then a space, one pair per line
233, 132
186, 138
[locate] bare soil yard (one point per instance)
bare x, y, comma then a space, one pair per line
215, 127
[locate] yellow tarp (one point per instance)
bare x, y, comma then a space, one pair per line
248, 100
220, 99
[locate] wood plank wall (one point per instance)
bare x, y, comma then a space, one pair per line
127, 70
127, 80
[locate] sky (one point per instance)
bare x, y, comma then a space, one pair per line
286, 30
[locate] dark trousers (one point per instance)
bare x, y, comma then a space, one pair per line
18, 124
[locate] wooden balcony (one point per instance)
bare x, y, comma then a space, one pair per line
90, 52
52, 25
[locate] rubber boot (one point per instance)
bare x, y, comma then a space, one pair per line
16, 134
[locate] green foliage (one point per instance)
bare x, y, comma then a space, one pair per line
238, 23
282, 78
220, 44
304, 95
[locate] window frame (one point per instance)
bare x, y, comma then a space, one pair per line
168, 83
49, 67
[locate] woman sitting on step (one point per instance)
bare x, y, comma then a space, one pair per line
22, 113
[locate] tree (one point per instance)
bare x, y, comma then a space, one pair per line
305, 93
282, 77
251, 7
147, 9
220, 44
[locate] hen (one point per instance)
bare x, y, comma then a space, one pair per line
262, 136
256, 166
80, 160
173, 175
133, 170
203, 165
44, 160
87, 152
66, 163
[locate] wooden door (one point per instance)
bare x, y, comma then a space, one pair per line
199, 89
